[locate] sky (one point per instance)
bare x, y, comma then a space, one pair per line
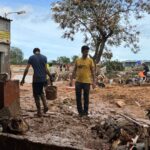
36, 28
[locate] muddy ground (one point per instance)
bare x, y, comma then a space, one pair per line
62, 125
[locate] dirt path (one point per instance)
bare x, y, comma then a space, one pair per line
62, 126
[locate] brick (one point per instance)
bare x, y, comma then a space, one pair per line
9, 97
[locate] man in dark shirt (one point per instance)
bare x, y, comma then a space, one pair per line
39, 65
145, 69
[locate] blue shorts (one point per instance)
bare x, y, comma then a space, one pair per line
38, 88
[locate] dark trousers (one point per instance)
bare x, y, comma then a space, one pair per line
38, 94
85, 88
38, 88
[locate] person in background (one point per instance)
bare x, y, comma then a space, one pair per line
60, 67
67, 67
52, 72
39, 65
64, 67
145, 69
85, 75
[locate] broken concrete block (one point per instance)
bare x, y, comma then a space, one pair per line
120, 103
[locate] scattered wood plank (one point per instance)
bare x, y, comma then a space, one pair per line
142, 124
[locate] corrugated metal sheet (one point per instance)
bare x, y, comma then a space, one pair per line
5, 18
4, 26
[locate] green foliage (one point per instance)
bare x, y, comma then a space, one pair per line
104, 23
74, 58
112, 66
24, 62
54, 62
107, 55
63, 60
16, 55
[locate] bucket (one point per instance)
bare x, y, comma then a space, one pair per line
51, 92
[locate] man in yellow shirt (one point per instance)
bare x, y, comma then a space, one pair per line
85, 76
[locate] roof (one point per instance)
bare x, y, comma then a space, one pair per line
6, 19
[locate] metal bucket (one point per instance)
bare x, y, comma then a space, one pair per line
51, 92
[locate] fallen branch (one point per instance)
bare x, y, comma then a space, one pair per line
134, 121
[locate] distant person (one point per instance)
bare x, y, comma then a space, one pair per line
60, 67
39, 65
145, 69
67, 67
84, 73
52, 72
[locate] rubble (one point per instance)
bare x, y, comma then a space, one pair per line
15, 125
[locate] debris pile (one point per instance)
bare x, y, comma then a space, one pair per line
15, 125
118, 131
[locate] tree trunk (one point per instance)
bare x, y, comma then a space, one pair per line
99, 51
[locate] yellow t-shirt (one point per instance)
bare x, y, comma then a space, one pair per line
48, 67
83, 72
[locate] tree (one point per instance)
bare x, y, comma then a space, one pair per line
16, 55
114, 66
54, 62
24, 61
104, 23
107, 55
63, 60
74, 58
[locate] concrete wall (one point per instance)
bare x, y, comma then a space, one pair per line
14, 142
4, 53
9, 99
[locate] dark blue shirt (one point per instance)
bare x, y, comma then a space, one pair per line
38, 63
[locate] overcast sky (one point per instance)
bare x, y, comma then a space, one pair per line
37, 29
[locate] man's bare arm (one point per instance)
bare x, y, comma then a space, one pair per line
25, 73
48, 73
73, 74
93, 76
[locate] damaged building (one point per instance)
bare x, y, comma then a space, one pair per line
4, 45
9, 89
